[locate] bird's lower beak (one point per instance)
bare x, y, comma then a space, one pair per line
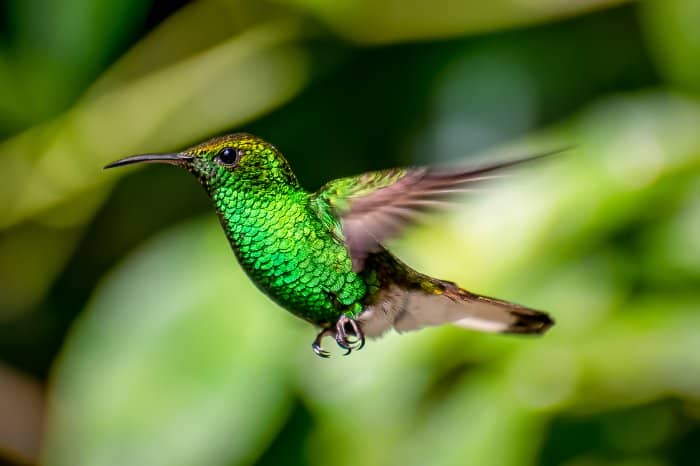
174, 159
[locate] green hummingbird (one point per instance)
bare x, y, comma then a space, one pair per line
321, 255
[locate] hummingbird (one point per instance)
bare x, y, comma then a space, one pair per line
321, 255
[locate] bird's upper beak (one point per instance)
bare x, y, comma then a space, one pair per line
174, 159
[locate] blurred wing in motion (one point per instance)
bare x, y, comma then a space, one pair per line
376, 206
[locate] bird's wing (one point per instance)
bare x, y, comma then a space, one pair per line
375, 206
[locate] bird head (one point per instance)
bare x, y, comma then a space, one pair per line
239, 158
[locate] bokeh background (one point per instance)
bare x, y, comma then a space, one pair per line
130, 336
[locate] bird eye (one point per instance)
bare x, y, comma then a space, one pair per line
228, 156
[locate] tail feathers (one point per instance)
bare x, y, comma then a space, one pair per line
489, 314
407, 310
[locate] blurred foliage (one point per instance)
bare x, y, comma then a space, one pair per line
399, 20
122, 297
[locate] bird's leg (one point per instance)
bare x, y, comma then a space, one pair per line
345, 327
316, 345
341, 334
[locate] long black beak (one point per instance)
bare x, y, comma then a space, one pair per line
174, 159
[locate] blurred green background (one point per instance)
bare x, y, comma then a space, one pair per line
129, 335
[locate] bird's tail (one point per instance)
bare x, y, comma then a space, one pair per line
448, 303
408, 300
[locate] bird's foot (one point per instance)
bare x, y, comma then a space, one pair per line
347, 333
316, 345
343, 327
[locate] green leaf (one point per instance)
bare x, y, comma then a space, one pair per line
59, 46
224, 86
674, 39
178, 360
479, 423
390, 21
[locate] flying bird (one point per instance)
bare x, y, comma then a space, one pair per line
321, 255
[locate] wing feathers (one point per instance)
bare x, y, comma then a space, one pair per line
375, 206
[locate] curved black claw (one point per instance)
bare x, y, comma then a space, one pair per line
342, 341
341, 335
320, 352
362, 342
316, 345
359, 335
